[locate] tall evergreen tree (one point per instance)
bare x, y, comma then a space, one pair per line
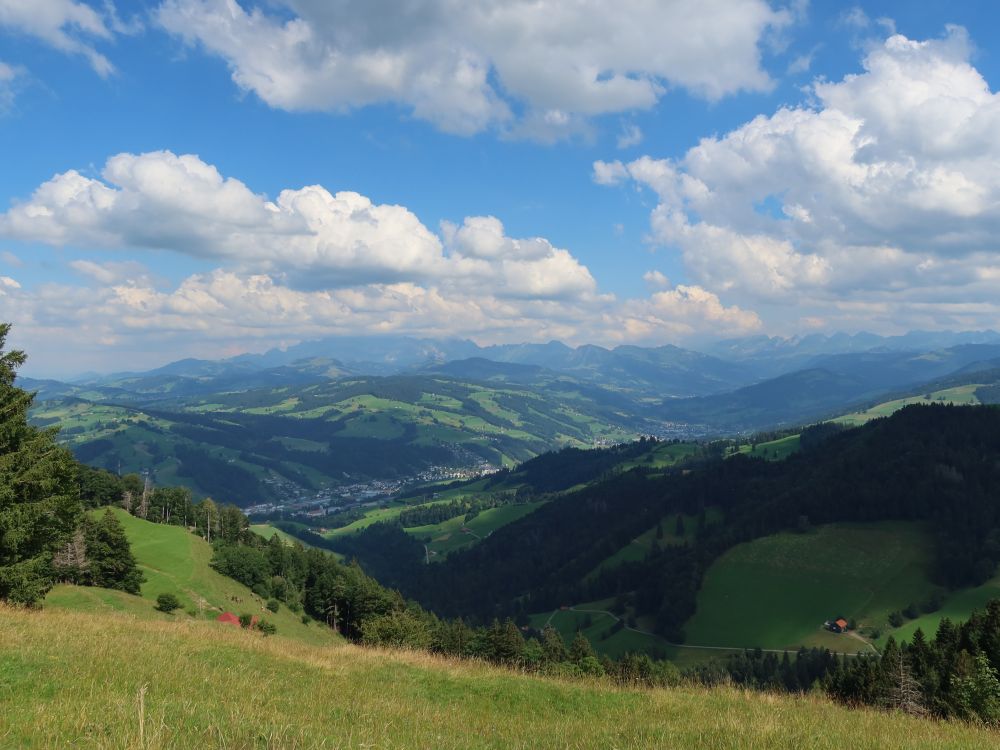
110, 560
39, 495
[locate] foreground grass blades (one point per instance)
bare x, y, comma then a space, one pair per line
113, 681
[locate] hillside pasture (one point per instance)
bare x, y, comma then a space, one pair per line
960, 395
175, 561
596, 621
448, 536
776, 591
664, 534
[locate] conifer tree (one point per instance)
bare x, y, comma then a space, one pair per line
111, 563
39, 495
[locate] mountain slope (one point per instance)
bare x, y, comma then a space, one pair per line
175, 561
208, 685
276, 444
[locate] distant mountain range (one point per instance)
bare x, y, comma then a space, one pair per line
301, 413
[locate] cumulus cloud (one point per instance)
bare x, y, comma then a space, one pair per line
68, 26
310, 263
656, 279
886, 192
226, 311
467, 66
308, 237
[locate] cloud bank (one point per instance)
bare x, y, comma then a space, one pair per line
536, 69
877, 205
310, 263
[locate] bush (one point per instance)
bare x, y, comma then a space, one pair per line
273, 605
245, 621
267, 628
896, 618
912, 611
306, 619
167, 603
260, 590
934, 602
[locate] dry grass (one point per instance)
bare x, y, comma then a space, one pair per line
113, 681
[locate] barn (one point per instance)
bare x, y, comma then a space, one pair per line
838, 626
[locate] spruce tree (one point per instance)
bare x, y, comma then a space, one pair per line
111, 563
39, 494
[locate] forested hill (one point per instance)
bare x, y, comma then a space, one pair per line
939, 464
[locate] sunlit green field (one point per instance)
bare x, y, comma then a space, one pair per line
449, 536
772, 450
177, 562
266, 530
964, 394
71, 679
595, 621
776, 592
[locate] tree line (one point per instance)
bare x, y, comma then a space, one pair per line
45, 535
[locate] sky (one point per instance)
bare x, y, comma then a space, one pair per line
210, 177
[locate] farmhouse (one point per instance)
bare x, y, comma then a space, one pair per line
837, 626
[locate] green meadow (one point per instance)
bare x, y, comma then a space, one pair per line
449, 535
595, 621
963, 394
187, 684
777, 591
175, 561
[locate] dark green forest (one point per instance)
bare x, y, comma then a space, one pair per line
938, 464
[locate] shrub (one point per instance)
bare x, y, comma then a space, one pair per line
267, 628
245, 620
306, 619
896, 618
912, 611
934, 602
261, 590
273, 605
167, 603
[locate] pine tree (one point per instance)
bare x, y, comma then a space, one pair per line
39, 493
112, 565
553, 645
580, 648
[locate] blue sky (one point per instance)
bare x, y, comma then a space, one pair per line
589, 172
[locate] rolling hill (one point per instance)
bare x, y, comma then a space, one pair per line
277, 444
175, 561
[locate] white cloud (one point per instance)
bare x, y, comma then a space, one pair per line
886, 191
68, 26
467, 65
226, 311
110, 272
10, 77
656, 279
631, 135
610, 173
856, 18
309, 237
308, 263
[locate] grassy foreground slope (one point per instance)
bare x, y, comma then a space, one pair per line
185, 684
175, 561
